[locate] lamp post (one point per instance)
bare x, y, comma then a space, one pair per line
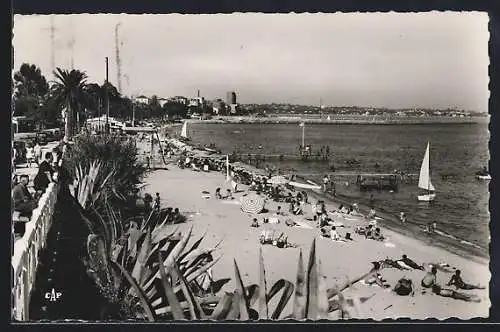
107, 98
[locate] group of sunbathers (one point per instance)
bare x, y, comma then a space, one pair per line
429, 281
370, 231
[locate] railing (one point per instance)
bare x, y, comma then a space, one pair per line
26, 251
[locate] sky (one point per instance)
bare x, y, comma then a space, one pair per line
394, 60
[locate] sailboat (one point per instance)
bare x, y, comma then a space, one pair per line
184, 130
424, 181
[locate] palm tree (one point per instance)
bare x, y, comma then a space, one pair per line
69, 90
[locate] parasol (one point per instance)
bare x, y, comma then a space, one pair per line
252, 203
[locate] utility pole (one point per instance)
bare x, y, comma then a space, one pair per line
133, 112
107, 98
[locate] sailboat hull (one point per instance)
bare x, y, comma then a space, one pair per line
426, 197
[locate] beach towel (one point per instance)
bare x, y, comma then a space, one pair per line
274, 220
389, 245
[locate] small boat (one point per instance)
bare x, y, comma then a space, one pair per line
304, 185
483, 174
424, 181
184, 130
210, 150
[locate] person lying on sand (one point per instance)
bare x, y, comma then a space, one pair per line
456, 280
228, 195
447, 292
376, 280
443, 267
429, 279
392, 263
411, 263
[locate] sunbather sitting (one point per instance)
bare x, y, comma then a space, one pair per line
457, 281
411, 263
297, 210
334, 235
217, 194
377, 235
429, 279
324, 232
446, 292
228, 195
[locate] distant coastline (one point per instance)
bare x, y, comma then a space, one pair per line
344, 119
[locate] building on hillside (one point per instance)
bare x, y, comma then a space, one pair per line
178, 99
162, 101
141, 99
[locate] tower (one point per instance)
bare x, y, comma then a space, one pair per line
118, 60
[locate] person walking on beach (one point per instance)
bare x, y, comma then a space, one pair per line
326, 181
402, 217
372, 201
157, 202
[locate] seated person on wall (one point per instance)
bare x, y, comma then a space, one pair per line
22, 198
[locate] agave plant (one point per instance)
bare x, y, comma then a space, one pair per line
135, 264
312, 299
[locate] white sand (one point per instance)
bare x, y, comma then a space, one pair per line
340, 261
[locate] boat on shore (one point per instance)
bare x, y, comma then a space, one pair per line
304, 185
424, 181
483, 174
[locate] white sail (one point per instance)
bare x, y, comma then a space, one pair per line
184, 130
424, 180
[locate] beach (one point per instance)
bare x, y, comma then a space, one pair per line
340, 261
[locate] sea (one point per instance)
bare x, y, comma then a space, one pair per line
457, 151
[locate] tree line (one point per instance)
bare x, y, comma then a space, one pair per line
71, 95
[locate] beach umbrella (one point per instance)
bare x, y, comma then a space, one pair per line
252, 203
277, 180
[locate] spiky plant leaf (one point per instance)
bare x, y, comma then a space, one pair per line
174, 303
300, 300
139, 291
194, 307
322, 295
234, 312
140, 264
287, 287
263, 309
240, 290
312, 284
223, 307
